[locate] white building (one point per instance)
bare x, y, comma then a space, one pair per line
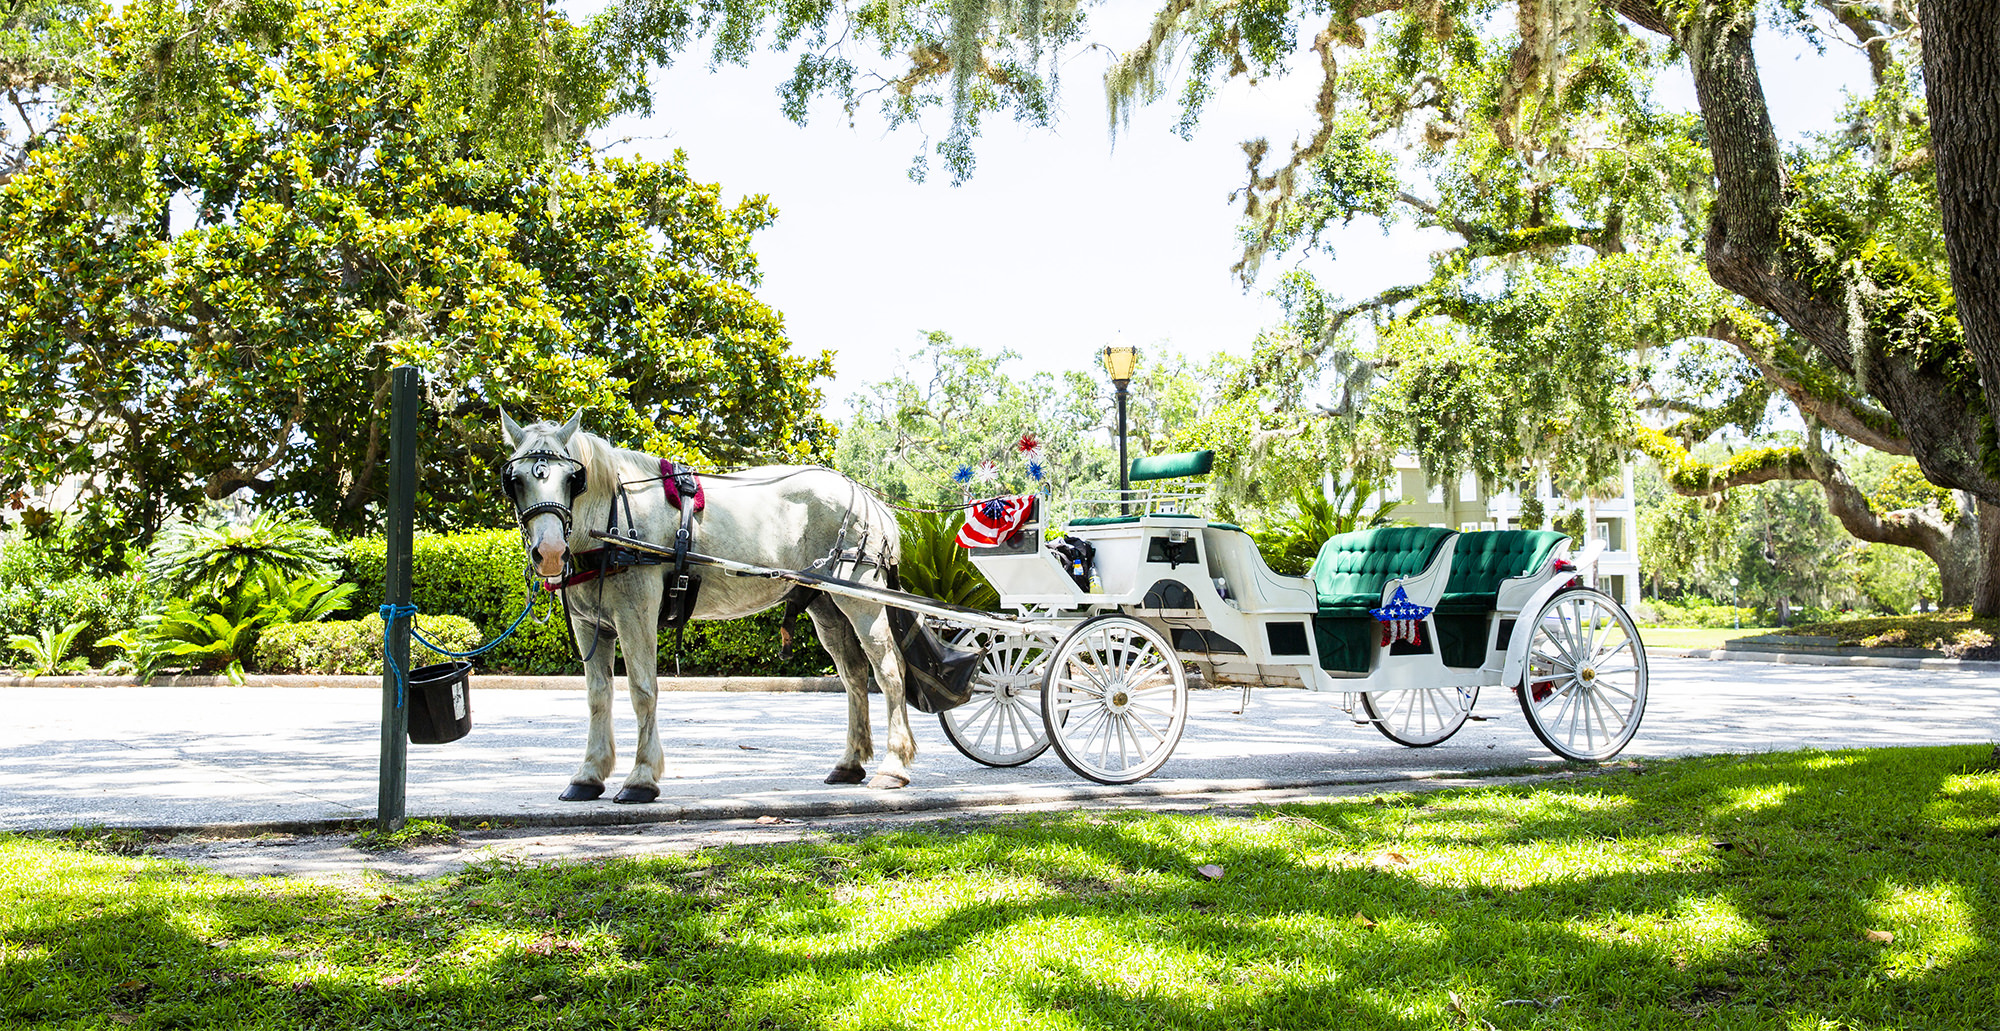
1466, 506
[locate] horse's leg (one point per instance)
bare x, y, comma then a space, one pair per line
639, 642
599, 750
871, 627
836, 635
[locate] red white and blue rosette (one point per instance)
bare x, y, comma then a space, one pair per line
1401, 619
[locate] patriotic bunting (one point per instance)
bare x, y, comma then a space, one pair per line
994, 520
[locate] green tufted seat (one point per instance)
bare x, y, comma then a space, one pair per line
1478, 564
1482, 560
1349, 574
1353, 567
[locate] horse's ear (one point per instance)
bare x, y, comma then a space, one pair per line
512, 430
569, 428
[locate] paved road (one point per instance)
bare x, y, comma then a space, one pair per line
199, 757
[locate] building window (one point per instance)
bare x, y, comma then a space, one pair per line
1468, 487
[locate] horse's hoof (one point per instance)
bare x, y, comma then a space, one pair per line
847, 775
580, 792
635, 796
889, 781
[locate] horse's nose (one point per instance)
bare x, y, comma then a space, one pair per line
548, 556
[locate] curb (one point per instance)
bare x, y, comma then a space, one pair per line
602, 813
485, 681
1854, 657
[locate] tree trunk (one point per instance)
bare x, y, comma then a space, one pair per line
1986, 593
1965, 560
1962, 86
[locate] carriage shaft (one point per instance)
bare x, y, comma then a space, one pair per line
847, 588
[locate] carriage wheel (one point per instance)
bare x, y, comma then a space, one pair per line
1001, 725
1115, 700
1584, 688
1419, 717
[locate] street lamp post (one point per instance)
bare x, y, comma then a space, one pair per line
1118, 360
1735, 613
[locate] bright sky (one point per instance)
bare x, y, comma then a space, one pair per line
1059, 241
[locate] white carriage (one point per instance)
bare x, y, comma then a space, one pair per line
1096, 663
1093, 659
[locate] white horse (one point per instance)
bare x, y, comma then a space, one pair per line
564, 483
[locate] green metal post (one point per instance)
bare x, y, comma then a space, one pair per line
394, 777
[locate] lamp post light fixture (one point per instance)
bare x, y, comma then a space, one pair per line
1119, 357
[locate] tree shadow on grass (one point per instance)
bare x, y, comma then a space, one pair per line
1732, 892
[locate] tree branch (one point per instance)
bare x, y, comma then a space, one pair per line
1920, 528
1840, 410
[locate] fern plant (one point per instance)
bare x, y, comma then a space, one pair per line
1290, 546
223, 635
212, 640
48, 652
138, 654
935, 566
305, 599
217, 558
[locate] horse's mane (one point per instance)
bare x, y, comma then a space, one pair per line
609, 464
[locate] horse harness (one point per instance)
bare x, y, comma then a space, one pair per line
683, 491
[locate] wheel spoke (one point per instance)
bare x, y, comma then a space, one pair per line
1139, 718
1556, 662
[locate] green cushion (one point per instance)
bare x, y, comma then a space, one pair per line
1169, 467
1482, 560
1359, 564
1339, 605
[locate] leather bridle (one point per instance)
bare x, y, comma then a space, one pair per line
576, 482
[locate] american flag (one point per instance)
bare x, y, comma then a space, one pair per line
1401, 619
994, 520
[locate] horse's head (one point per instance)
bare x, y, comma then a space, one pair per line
543, 482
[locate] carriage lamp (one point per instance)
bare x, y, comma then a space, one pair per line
1119, 357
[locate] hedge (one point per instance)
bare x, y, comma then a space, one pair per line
354, 645
106, 605
481, 575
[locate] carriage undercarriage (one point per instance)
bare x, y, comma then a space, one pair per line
1094, 664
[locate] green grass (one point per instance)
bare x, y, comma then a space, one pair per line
1696, 637
1733, 892
413, 833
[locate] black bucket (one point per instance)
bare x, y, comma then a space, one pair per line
440, 702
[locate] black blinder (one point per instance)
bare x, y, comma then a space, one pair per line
574, 483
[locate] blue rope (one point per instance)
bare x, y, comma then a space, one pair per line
391, 613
